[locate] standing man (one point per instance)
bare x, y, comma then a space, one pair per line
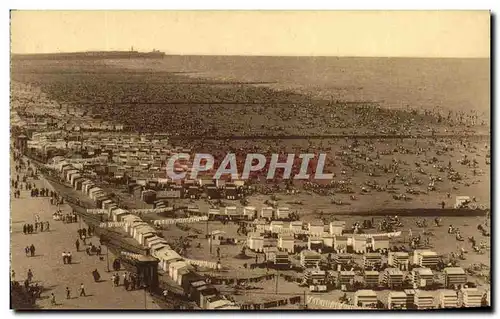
68, 293
77, 245
82, 290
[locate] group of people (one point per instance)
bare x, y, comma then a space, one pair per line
85, 233
31, 228
69, 218
66, 256
36, 192
30, 250
130, 281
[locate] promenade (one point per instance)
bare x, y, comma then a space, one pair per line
47, 265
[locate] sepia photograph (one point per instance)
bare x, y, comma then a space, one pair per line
250, 160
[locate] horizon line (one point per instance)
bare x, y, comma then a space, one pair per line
262, 55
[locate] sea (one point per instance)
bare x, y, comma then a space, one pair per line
448, 84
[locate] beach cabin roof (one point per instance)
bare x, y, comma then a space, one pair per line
397, 294
219, 303
156, 239
146, 229
138, 224
338, 223
424, 271
168, 254
217, 232
454, 271
179, 264
157, 246
119, 212
316, 223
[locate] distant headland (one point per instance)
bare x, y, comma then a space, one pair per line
155, 54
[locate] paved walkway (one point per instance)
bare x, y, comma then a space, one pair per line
48, 267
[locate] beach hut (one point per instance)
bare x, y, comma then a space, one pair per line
249, 212
230, 211
157, 246
454, 277
162, 251
337, 227
316, 227
134, 229
130, 219
216, 237
94, 191
175, 267
461, 200
283, 213
255, 241
448, 299
379, 243
396, 300
117, 213
365, 298
315, 243
296, 225
276, 226
85, 185
359, 244
287, 243
422, 277
266, 213
205, 293
74, 177
340, 243
145, 233
309, 258
181, 273
154, 240
328, 240
106, 203
217, 302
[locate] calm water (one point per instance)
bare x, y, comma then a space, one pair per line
450, 84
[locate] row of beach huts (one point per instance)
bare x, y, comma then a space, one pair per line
179, 269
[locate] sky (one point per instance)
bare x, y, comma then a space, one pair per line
288, 33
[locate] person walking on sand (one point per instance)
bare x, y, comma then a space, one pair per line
77, 245
82, 290
68, 293
52, 299
30, 275
32, 250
